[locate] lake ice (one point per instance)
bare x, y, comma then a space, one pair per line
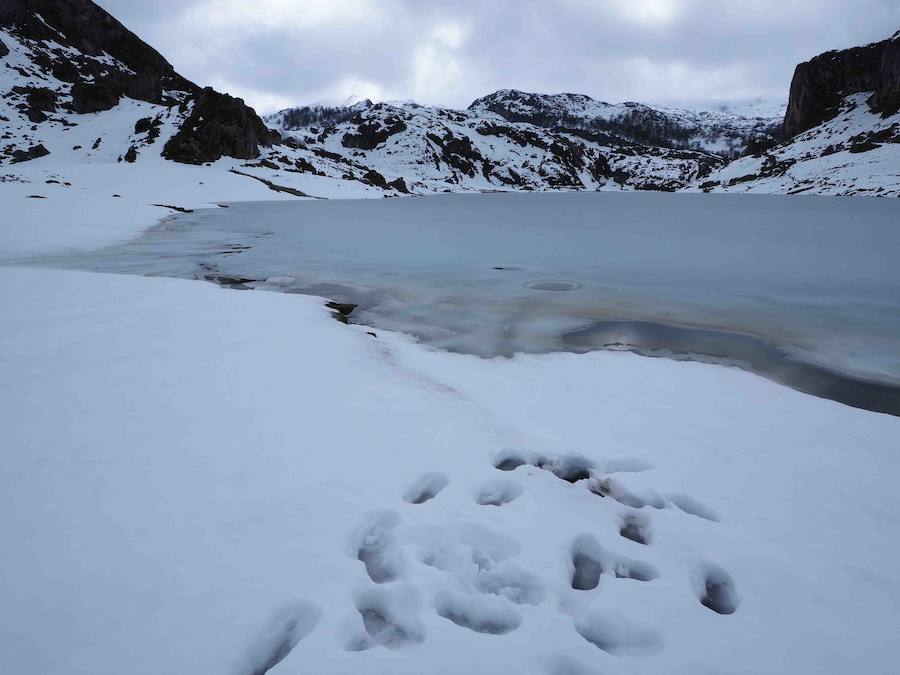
814, 278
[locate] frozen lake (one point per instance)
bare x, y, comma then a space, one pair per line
804, 290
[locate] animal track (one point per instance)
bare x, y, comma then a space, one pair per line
426, 488
285, 629
512, 583
497, 493
717, 590
636, 528
509, 459
607, 487
693, 507
388, 621
478, 613
570, 468
375, 547
618, 635
590, 561
587, 571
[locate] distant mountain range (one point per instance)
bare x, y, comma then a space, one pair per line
68, 64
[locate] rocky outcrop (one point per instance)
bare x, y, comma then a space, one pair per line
820, 84
106, 62
372, 133
218, 125
82, 25
31, 153
4, 50
96, 97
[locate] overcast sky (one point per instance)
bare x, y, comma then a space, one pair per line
278, 53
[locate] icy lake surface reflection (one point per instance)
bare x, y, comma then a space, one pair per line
817, 279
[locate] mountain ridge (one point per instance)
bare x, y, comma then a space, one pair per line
71, 70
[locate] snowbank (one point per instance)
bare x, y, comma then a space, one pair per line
202, 480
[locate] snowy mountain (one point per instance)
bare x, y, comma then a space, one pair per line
439, 149
86, 105
843, 129
723, 131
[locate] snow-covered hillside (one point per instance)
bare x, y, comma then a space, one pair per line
843, 123
438, 149
856, 153
723, 130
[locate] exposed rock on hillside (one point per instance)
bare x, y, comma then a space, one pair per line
218, 125
820, 84
95, 63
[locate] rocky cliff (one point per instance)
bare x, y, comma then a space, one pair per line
820, 84
82, 60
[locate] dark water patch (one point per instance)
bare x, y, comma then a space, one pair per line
749, 352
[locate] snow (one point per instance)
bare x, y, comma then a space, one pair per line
206, 477
198, 480
820, 161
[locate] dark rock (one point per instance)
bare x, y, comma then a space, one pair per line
131, 155
399, 185
743, 179
85, 26
304, 165
372, 133
180, 209
4, 50
96, 144
819, 85
38, 98
865, 146
374, 178
91, 98
142, 126
342, 310
268, 164
65, 70
218, 125
32, 153
35, 116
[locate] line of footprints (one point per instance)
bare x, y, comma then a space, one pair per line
487, 583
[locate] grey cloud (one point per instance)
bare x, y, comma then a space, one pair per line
450, 53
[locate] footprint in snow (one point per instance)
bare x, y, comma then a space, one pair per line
286, 628
373, 544
497, 492
426, 488
479, 613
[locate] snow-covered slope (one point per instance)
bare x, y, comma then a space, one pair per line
723, 130
438, 149
843, 119
855, 153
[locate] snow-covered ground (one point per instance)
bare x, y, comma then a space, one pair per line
195, 479
856, 153
200, 480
